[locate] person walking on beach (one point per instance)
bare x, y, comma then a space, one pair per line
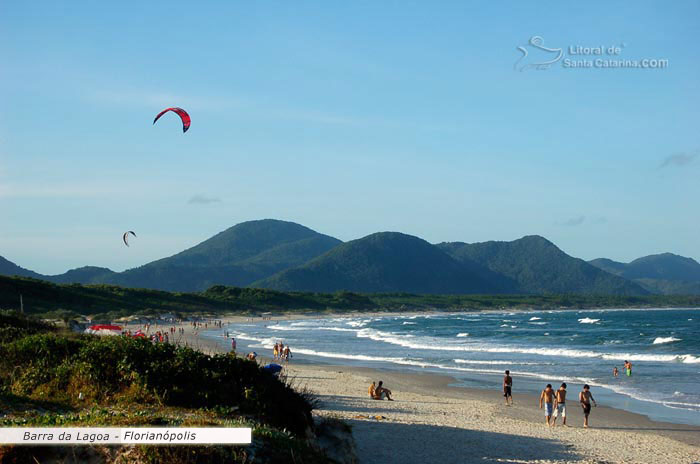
547, 396
233, 345
276, 351
287, 353
508, 388
560, 405
585, 397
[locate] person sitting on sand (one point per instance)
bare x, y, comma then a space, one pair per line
585, 397
380, 392
560, 405
508, 388
547, 396
371, 390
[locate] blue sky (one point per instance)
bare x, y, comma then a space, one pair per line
347, 117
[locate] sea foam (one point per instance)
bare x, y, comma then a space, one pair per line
660, 340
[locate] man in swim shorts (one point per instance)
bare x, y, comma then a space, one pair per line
547, 397
508, 388
585, 397
560, 405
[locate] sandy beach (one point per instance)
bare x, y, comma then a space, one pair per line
430, 421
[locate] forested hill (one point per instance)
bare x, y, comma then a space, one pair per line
67, 301
286, 256
664, 273
537, 266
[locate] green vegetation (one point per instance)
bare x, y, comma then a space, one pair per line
534, 265
54, 378
386, 262
664, 273
64, 302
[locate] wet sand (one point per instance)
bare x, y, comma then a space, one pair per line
431, 421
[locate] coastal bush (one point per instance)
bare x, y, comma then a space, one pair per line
113, 369
15, 325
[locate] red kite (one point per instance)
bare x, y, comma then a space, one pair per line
180, 112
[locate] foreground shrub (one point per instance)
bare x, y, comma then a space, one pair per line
112, 369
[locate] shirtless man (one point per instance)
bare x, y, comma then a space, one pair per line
585, 397
547, 397
508, 388
560, 405
380, 392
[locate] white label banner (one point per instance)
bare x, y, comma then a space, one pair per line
125, 435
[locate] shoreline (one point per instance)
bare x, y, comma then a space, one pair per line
342, 393
210, 344
431, 421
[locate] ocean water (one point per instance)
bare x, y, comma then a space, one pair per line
538, 347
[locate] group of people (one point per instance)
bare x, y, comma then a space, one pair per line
281, 352
554, 402
160, 337
377, 391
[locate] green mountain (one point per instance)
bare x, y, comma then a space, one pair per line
85, 275
9, 268
387, 262
237, 256
287, 256
664, 273
537, 266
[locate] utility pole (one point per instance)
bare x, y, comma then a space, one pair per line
21, 304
